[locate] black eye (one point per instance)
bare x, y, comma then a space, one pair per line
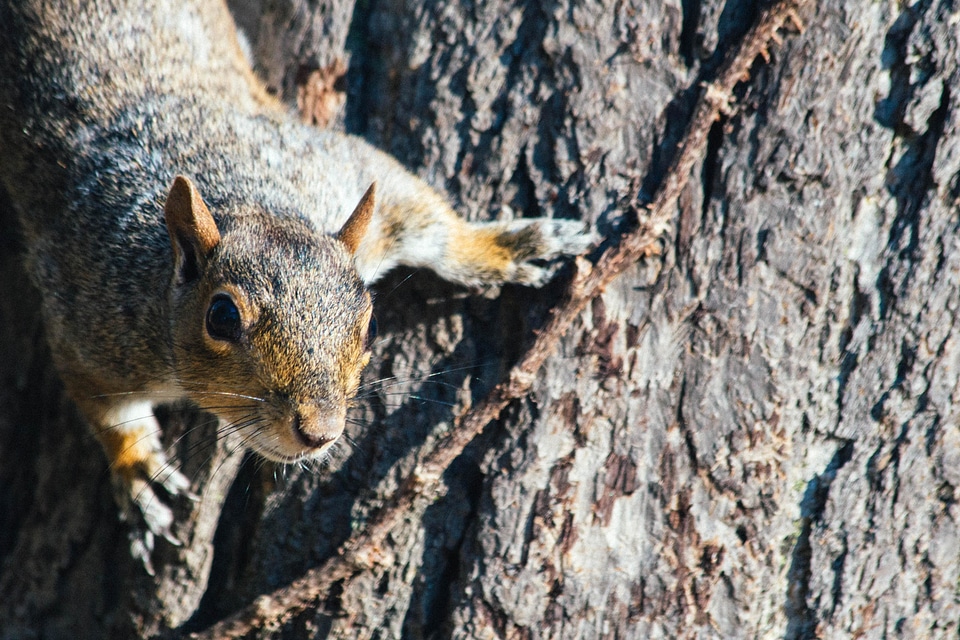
223, 319
371, 331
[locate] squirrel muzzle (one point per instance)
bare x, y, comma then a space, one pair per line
317, 428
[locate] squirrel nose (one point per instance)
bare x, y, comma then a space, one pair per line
316, 431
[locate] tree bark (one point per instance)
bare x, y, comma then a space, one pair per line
749, 435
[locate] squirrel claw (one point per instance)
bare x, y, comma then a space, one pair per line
141, 545
175, 483
146, 513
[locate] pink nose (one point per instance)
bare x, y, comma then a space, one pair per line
315, 429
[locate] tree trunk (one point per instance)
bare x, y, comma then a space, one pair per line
751, 435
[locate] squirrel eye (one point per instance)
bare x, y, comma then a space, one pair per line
371, 331
223, 319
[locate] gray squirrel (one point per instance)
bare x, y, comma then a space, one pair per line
191, 239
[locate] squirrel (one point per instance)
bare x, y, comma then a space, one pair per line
190, 238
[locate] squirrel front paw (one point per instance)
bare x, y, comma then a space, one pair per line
540, 239
144, 481
485, 254
145, 512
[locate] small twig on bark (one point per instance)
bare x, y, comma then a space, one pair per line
361, 551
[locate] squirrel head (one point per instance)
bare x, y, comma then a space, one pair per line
271, 324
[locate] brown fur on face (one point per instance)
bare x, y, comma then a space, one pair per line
287, 379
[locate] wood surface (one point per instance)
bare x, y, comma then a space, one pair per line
750, 433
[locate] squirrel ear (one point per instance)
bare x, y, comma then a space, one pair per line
193, 233
355, 227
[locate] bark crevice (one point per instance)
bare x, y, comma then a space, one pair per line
801, 612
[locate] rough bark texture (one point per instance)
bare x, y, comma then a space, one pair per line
751, 436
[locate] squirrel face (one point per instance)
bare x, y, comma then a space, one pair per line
270, 322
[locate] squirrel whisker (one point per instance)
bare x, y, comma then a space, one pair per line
229, 394
387, 295
383, 256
